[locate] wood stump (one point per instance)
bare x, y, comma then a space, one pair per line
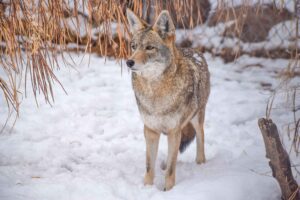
279, 160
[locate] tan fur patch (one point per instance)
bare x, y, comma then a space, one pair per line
139, 57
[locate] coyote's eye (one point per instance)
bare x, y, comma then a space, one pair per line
149, 47
133, 46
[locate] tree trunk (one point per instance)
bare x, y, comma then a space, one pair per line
279, 160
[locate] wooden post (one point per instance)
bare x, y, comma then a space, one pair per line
279, 160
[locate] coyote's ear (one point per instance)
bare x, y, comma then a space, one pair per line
164, 25
135, 23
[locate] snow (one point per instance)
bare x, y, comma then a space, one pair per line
286, 30
90, 144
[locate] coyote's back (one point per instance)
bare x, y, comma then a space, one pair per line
196, 56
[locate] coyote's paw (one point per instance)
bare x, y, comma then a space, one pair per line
148, 179
170, 182
200, 160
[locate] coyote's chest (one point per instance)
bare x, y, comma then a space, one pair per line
165, 107
159, 113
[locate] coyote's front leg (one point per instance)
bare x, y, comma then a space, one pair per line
152, 140
174, 138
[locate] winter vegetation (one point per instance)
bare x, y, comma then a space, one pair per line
70, 126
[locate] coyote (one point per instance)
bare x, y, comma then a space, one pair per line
171, 87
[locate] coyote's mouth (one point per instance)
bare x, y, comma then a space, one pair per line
137, 69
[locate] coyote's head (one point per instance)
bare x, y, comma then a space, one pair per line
152, 46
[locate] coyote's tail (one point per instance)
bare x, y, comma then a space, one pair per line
187, 136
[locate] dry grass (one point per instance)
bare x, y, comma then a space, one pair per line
29, 34
293, 128
291, 91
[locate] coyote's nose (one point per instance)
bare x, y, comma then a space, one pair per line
130, 63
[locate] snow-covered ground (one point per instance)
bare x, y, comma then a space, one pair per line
90, 144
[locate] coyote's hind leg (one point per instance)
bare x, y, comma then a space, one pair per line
198, 123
